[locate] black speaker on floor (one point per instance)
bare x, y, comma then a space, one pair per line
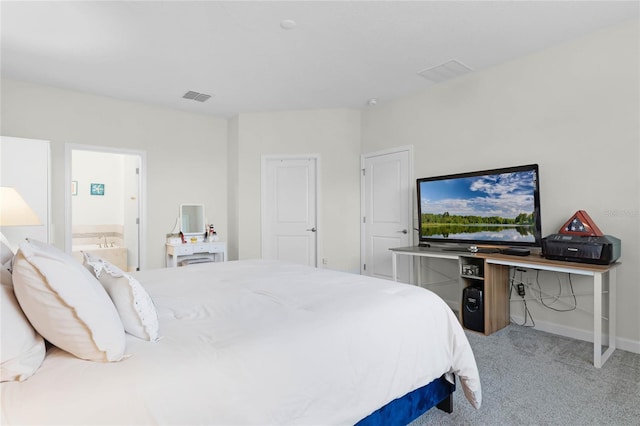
473, 309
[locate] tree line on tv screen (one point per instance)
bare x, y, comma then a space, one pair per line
430, 219
445, 224
446, 219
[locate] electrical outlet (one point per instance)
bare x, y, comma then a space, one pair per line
325, 261
521, 290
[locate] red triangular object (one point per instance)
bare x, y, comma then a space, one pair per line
581, 224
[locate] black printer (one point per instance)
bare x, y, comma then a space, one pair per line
601, 250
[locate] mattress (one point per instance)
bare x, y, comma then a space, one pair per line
257, 342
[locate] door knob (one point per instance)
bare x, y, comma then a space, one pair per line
312, 229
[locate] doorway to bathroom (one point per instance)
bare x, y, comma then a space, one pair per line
103, 209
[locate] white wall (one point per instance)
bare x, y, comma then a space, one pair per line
335, 136
574, 110
187, 161
186, 152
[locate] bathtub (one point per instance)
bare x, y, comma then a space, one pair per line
115, 255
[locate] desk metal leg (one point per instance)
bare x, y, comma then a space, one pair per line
599, 357
612, 311
597, 320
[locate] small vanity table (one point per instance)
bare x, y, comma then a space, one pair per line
195, 250
214, 251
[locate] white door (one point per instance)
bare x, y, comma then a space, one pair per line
387, 209
131, 204
289, 209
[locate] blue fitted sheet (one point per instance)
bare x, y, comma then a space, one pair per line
405, 409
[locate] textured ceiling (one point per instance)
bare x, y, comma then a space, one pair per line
339, 54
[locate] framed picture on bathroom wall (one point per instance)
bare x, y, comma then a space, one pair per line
97, 189
74, 187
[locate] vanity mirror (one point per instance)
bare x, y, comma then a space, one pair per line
192, 219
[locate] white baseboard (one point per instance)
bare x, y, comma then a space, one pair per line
628, 345
562, 330
580, 334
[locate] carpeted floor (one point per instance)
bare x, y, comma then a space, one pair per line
530, 377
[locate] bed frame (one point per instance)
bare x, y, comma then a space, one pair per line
402, 411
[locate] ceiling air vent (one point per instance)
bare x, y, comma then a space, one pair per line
200, 97
446, 71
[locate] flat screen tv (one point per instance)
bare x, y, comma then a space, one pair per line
499, 207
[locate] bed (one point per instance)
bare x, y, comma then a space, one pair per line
249, 342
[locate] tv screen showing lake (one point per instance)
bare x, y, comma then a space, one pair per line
515, 234
498, 207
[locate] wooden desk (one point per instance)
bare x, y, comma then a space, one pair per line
602, 275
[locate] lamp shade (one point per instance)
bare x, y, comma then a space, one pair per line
14, 211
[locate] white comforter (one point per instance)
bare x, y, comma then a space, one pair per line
257, 342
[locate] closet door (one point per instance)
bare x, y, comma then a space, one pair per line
290, 209
25, 165
387, 210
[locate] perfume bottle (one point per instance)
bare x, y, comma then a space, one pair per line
213, 235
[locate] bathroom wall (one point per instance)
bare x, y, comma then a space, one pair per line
96, 217
96, 167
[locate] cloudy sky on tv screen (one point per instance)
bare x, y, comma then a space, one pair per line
505, 195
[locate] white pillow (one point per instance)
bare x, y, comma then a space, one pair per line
22, 350
66, 304
136, 309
